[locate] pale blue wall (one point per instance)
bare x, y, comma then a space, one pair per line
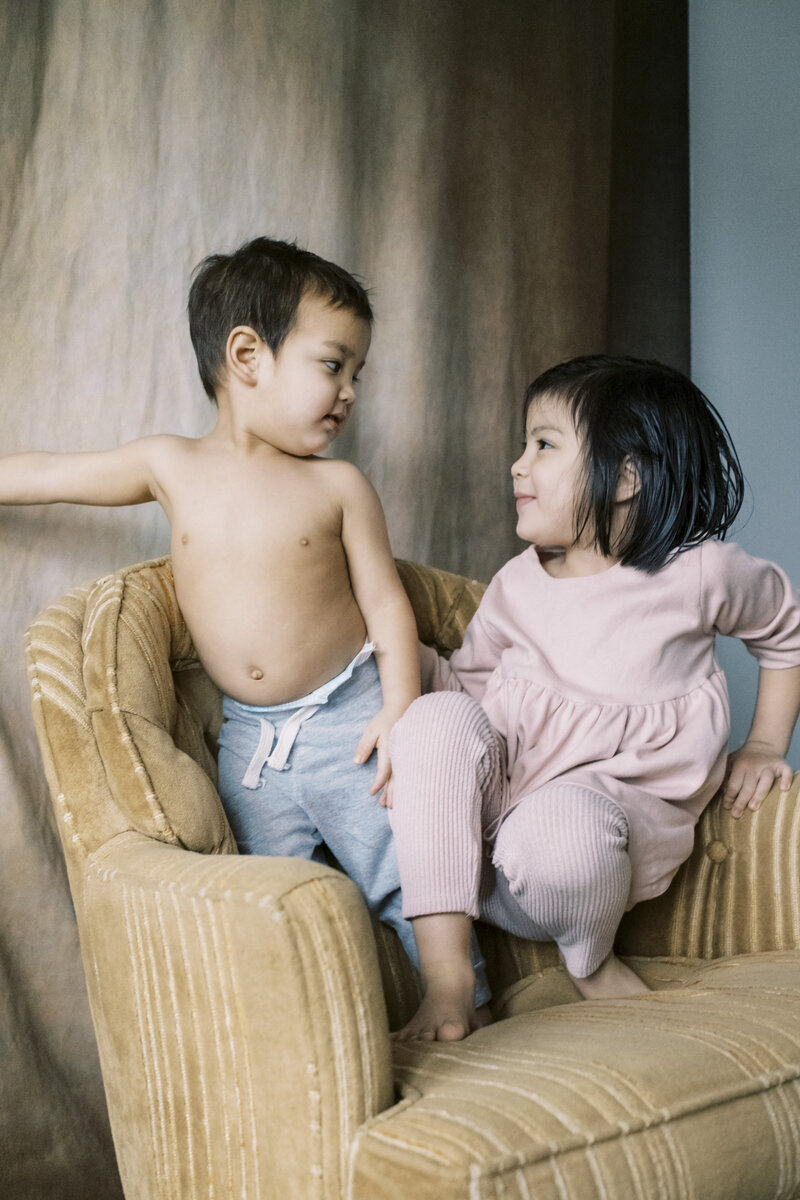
744, 109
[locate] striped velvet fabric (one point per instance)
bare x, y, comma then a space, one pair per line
240, 1003
689, 1092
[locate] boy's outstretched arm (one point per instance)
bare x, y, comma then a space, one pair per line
754, 767
386, 610
124, 475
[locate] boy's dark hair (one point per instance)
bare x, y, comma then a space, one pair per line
261, 285
649, 415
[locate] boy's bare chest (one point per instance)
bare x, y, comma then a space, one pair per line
248, 511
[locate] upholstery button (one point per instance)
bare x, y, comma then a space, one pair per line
717, 851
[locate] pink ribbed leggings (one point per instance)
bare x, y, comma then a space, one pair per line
558, 866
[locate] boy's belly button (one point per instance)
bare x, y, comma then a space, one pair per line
256, 673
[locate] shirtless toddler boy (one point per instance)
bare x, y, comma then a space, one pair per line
281, 559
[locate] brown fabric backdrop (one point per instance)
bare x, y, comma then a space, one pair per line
510, 179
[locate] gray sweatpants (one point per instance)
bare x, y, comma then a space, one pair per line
557, 867
289, 787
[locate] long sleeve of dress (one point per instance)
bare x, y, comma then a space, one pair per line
482, 647
469, 667
753, 600
435, 672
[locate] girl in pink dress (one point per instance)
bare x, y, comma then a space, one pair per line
553, 775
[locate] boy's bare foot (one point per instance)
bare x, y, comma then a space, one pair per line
447, 1012
611, 980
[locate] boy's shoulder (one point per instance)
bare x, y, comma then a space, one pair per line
340, 473
167, 445
170, 450
168, 457
348, 488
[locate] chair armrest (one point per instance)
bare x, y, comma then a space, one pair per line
239, 1015
737, 894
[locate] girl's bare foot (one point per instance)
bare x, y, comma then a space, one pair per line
611, 980
447, 1012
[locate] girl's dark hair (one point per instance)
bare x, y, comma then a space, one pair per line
261, 285
629, 410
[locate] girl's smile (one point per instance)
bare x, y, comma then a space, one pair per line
547, 476
549, 479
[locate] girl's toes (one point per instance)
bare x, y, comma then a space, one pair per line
451, 1031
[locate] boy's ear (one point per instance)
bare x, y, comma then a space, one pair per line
242, 353
628, 483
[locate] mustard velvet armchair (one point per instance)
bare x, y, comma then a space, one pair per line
242, 1005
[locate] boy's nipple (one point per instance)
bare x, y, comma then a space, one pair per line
303, 541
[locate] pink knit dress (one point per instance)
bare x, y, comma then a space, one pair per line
611, 681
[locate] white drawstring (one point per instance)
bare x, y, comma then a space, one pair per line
278, 759
253, 772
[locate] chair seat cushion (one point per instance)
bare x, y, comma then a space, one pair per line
688, 1091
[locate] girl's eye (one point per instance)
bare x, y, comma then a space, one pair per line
543, 444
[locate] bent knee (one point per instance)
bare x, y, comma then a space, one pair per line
556, 844
442, 720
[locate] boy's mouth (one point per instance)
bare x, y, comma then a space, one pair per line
336, 420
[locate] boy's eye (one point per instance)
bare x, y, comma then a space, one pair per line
333, 365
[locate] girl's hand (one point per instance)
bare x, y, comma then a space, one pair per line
750, 774
376, 735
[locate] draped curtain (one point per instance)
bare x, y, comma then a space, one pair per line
508, 177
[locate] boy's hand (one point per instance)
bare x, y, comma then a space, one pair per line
377, 735
750, 774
